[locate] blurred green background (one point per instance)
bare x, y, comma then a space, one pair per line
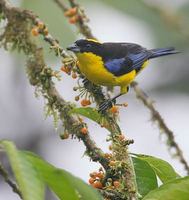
152, 24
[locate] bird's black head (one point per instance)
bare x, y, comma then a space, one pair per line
81, 46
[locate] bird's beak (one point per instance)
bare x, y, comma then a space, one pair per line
74, 48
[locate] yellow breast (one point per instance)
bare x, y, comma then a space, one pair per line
93, 68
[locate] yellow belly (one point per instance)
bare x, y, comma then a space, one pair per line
93, 68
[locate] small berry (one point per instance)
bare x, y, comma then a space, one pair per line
88, 102
74, 75
71, 12
114, 109
116, 184
91, 180
100, 175
35, 31
84, 130
112, 163
93, 174
108, 155
65, 69
97, 184
64, 136
40, 25
84, 102
125, 104
76, 98
121, 137
75, 88
45, 31
73, 19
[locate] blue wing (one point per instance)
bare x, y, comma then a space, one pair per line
121, 66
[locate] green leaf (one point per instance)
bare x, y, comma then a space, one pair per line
88, 112
28, 179
145, 176
62, 183
162, 168
174, 190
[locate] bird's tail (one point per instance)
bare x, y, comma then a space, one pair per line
154, 53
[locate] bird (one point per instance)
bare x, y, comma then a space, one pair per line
113, 63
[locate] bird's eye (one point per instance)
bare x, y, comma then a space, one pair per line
88, 45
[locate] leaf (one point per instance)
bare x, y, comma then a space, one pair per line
28, 179
174, 190
162, 168
145, 176
62, 183
90, 113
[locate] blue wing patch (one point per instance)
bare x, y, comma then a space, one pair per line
127, 64
114, 65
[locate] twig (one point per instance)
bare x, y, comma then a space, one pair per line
82, 22
14, 187
63, 7
161, 124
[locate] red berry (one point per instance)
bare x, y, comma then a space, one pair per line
35, 31
116, 184
74, 75
114, 109
91, 180
74, 19
71, 12
84, 130
40, 25
100, 175
112, 163
45, 31
97, 184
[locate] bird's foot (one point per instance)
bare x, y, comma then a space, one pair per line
85, 81
106, 105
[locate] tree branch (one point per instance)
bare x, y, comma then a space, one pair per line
82, 22
62, 6
156, 117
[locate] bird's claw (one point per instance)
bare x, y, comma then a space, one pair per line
106, 105
85, 81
